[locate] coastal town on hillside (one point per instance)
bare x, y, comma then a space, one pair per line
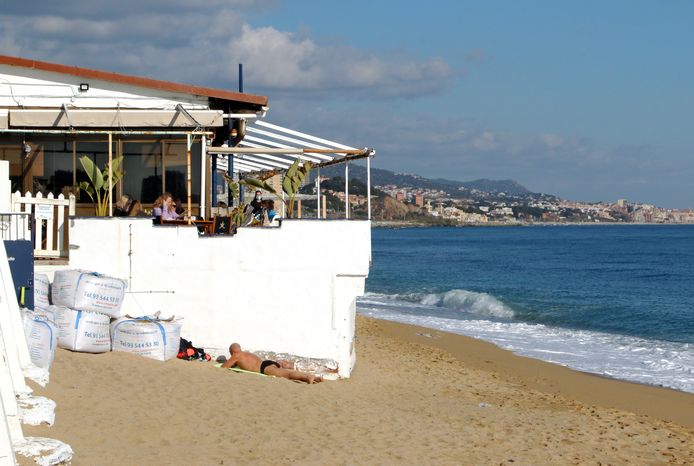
413, 199
508, 209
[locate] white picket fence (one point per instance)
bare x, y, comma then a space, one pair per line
49, 216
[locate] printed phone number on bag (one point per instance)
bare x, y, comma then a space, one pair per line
96, 336
101, 297
139, 345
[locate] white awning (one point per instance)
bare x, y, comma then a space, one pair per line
114, 118
267, 146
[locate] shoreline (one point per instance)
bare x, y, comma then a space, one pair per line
406, 224
411, 399
663, 403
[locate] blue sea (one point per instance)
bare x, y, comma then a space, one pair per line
615, 300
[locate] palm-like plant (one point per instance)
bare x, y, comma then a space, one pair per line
97, 187
291, 183
295, 176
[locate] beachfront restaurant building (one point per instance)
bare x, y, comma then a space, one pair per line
289, 289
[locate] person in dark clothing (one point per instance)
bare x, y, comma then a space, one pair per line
256, 203
123, 206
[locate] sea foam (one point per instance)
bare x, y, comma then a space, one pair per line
454, 303
481, 304
656, 362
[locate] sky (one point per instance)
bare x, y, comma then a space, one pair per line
586, 100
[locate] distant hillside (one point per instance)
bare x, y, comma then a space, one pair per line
498, 186
382, 177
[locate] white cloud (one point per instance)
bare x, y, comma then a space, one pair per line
204, 42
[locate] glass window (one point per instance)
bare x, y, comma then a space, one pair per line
176, 170
57, 176
142, 166
11, 150
151, 166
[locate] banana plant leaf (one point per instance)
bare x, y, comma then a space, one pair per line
258, 184
95, 175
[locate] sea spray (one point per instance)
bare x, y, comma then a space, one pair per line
452, 303
481, 304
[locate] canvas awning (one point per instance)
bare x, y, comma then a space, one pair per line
114, 118
267, 146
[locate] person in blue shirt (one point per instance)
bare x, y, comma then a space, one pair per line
268, 211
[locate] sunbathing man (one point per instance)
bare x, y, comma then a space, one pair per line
250, 362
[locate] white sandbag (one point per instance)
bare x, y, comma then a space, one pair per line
42, 337
88, 291
83, 331
42, 288
151, 338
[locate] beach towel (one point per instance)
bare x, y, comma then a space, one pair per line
236, 369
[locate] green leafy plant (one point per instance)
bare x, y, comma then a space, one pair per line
295, 176
291, 183
98, 184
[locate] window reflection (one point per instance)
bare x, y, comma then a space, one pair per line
151, 166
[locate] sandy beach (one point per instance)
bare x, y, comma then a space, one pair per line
416, 396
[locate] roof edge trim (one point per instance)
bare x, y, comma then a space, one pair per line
134, 80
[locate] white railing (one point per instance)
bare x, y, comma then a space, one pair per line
48, 215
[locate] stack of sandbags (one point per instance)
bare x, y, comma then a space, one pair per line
83, 331
88, 291
147, 336
42, 288
84, 304
41, 334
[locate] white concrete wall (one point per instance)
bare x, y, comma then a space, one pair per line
25, 87
289, 290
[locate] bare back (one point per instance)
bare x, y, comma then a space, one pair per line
243, 360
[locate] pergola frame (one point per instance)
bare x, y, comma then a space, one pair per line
273, 148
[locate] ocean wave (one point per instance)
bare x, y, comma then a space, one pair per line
481, 304
656, 362
464, 301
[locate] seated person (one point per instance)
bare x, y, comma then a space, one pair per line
123, 206
178, 207
163, 208
136, 210
256, 204
269, 213
251, 362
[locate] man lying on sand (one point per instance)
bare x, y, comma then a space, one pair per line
251, 362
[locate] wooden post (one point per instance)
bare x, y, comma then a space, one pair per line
298, 209
74, 161
323, 206
163, 166
110, 175
203, 173
190, 184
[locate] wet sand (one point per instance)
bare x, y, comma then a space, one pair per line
416, 396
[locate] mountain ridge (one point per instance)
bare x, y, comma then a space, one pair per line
383, 177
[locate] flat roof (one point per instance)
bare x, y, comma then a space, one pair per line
134, 80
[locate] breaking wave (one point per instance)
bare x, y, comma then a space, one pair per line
456, 303
481, 304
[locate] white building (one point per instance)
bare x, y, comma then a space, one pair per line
290, 289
